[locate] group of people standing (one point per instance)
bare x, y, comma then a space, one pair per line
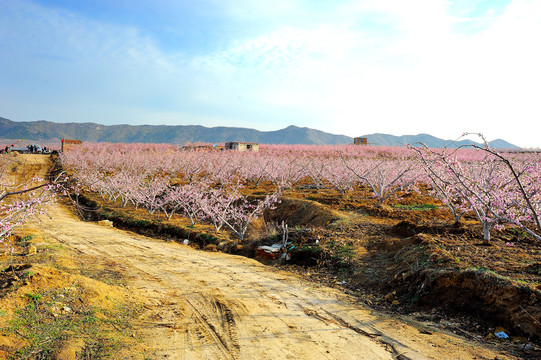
32, 149
36, 149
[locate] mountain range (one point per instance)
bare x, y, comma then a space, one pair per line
41, 131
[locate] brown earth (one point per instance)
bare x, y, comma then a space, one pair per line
190, 304
404, 257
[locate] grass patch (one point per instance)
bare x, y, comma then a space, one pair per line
26, 241
416, 207
209, 239
342, 260
51, 319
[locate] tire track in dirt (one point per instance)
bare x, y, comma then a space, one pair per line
224, 336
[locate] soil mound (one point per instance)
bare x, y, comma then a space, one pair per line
297, 212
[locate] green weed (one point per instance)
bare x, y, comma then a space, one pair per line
417, 207
211, 239
49, 319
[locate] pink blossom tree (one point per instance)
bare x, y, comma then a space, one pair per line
385, 177
487, 183
20, 201
227, 206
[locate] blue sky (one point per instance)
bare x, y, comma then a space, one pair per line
441, 67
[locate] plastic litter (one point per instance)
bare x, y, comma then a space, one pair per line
501, 335
273, 252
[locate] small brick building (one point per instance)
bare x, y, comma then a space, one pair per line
360, 141
69, 144
241, 146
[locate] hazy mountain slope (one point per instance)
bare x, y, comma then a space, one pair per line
46, 130
180, 134
429, 140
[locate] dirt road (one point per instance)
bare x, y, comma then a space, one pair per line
203, 305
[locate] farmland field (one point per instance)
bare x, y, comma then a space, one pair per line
448, 241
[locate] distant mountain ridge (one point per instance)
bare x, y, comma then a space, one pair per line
180, 134
430, 141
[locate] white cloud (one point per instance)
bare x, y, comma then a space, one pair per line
350, 67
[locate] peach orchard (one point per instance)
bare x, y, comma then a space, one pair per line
501, 189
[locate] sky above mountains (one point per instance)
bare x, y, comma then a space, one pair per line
441, 67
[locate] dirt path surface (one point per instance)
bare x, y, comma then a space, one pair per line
203, 305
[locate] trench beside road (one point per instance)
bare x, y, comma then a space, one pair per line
203, 305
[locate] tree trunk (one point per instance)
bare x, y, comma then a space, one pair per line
486, 232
